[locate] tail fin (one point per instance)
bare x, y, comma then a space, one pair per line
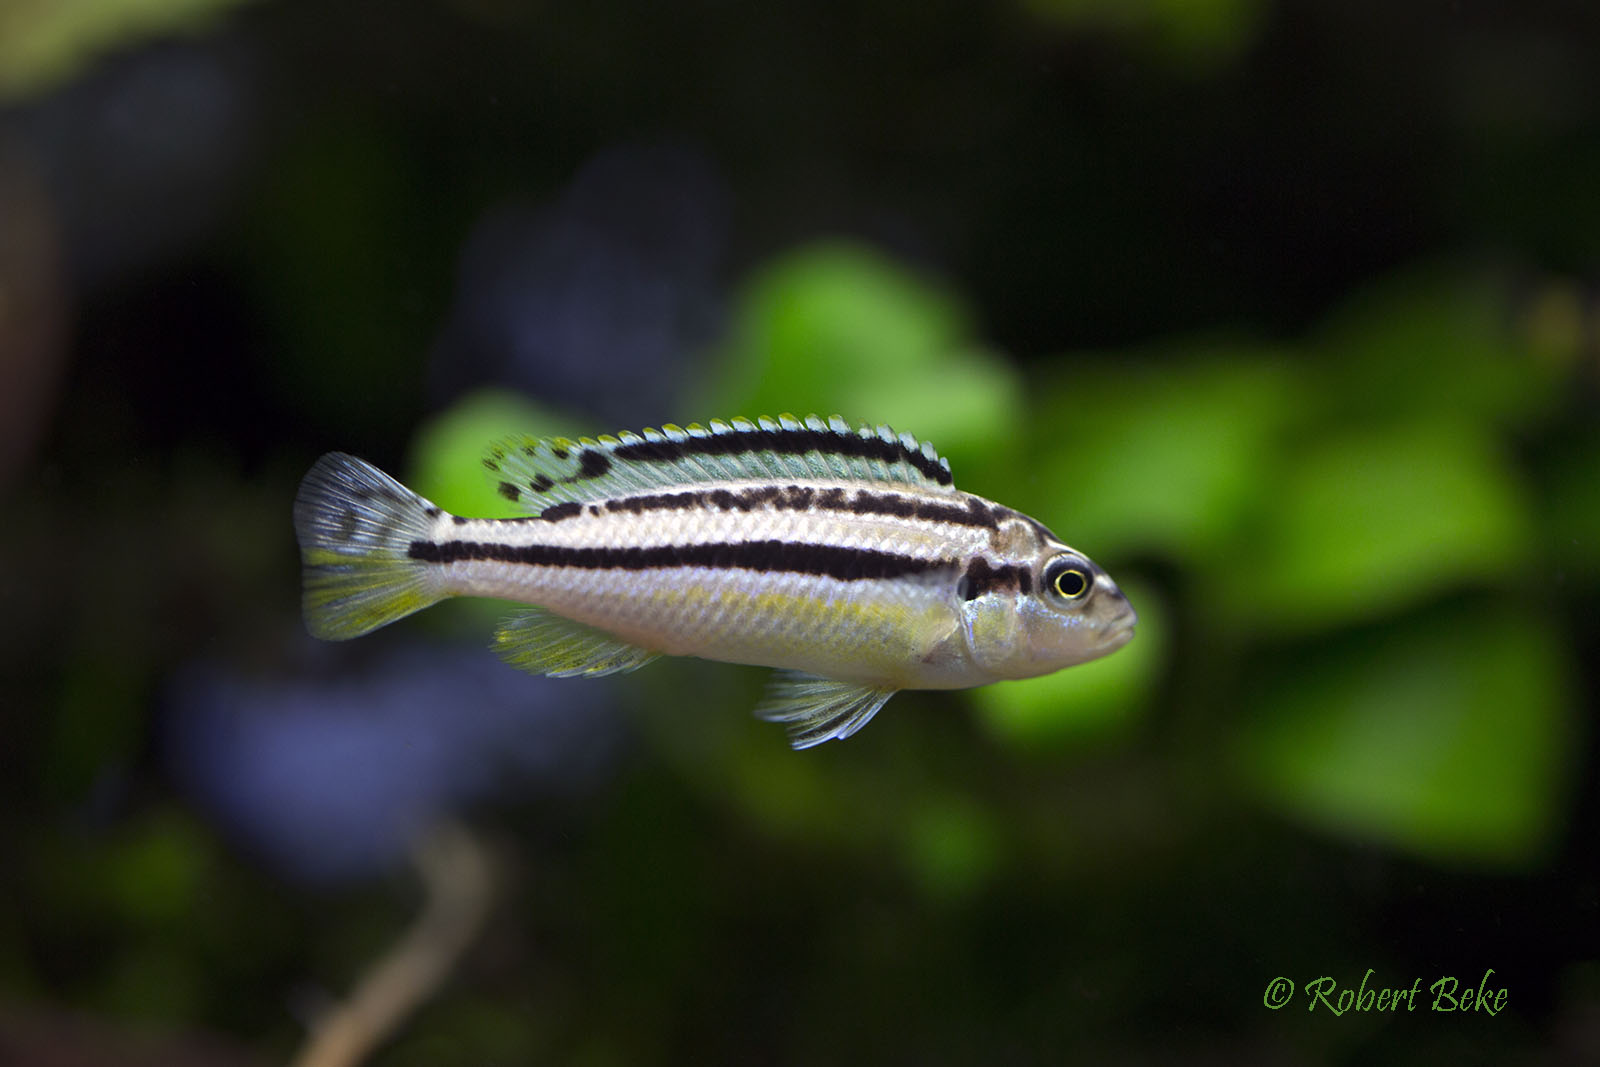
356, 526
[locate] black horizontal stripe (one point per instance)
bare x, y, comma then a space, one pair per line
784, 442
832, 561
557, 512
974, 512
657, 502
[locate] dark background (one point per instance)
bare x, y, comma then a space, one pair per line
1283, 311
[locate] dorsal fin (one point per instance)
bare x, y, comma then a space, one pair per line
536, 473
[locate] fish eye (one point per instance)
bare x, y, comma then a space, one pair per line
1069, 579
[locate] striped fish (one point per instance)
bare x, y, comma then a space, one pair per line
844, 557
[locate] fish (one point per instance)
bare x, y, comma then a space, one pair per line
845, 558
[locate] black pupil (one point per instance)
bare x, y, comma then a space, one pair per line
1071, 583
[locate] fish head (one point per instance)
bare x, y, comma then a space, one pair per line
1063, 611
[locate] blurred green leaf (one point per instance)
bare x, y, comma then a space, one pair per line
1432, 341
1140, 456
1572, 510
1197, 32
1370, 520
1447, 735
787, 796
951, 846
149, 876
446, 456
156, 872
1088, 700
45, 41
836, 328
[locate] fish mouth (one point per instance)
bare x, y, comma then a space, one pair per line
1119, 631
1120, 625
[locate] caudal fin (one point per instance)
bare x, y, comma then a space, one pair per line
356, 525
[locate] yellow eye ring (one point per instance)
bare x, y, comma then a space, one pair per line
1070, 583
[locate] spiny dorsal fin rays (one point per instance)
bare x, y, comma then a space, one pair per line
537, 473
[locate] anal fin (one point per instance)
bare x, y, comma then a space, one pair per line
819, 709
541, 642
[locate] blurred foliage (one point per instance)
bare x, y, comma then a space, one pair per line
1572, 528
42, 42
1449, 734
1303, 492
1435, 339
1191, 33
446, 463
1164, 457
1371, 520
837, 328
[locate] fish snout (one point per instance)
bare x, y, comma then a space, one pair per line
1119, 618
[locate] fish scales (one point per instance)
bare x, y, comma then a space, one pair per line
734, 577
846, 558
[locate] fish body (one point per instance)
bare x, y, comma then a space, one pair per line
846, 558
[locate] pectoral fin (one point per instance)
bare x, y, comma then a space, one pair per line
819, 709
542, 642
